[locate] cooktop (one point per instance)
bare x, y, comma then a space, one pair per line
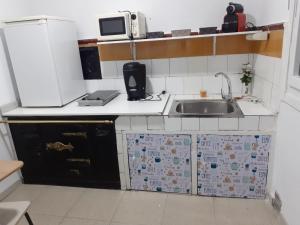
98, 98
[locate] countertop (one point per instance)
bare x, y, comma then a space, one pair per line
121, 107
118, 106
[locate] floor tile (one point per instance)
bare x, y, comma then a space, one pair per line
26, 192
192, 210
96, 204
78, 221
140, 208
52, 205
42, 219
241, 212
56, 200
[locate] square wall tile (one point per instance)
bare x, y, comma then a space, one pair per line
148, 64
139, 123
197, 65
235, 62
172, 124
174, 85
122, 123
119, 84
160, 67
190, 124
120, 64
212, 84
106, 84
249, 123
258, 86
217, 64
267, 93
266, 123
236, 84
262, 89
192, 85
92, 85
156, 123
228, 124
209, 123
264, 66
155, 84
178, 67
109, 69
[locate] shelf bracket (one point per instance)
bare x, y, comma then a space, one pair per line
214, 45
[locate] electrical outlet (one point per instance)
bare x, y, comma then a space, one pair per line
276, 202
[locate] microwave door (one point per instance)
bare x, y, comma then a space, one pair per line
113, 28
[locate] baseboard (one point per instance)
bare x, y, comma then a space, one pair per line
10, 189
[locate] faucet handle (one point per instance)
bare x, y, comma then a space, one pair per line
225, 97
222, 94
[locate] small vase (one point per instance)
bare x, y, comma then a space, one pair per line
247, 89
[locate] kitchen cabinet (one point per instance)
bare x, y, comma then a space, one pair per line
160, 162
233, 165
76, 154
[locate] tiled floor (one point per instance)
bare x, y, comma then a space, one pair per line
52, 205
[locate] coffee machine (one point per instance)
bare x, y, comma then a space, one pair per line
135, 80
235, 20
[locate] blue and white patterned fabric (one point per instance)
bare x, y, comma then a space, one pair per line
233, 165
160, 162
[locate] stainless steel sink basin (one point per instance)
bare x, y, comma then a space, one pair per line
205, 108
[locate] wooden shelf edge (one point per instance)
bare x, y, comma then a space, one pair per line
177, 38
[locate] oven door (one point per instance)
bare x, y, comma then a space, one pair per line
114, 28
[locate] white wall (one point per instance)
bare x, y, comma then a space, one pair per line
163, 15
8, 8
286, 178
273, 11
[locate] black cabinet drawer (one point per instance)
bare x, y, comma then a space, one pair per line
67, 154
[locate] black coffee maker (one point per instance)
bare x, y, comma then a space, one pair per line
135, 80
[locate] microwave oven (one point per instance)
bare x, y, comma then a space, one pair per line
121, 25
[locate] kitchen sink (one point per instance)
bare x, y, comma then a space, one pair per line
205, 108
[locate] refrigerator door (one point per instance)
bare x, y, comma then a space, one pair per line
65, 51
33, 64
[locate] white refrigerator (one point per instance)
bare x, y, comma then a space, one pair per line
46, 62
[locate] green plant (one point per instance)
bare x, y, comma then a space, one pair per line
247, 74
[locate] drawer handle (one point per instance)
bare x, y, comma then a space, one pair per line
59, 146
75, 172
87, 161
75, 134
57, 121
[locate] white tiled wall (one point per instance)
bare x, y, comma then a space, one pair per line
144, 123
186, 75
267, 80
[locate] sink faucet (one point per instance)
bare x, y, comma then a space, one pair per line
227, 97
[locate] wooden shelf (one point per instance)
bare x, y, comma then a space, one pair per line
190, 46
177, 38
